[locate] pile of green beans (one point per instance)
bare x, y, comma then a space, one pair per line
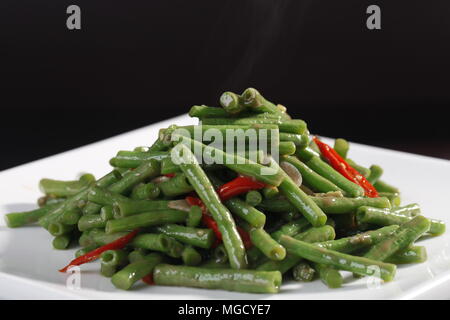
304, 219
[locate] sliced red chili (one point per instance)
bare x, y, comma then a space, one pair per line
237, 186
95, 254
169, 175
148, 279
340, 165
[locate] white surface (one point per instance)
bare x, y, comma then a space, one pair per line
28, 264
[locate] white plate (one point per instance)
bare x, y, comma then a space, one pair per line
28, 264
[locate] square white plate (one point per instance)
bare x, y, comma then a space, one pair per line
28, 264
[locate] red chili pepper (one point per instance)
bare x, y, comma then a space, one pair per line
340, 165
238, 186
94, 254
245, 238
169, 175
211, 224
148, 279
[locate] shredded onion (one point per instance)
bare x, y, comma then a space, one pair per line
292, 172
181, 205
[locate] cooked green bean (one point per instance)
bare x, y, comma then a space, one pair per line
341, 146
233, 280
286, 148
375, 173
382, 186
413, 254
268, 246
385, 217
311, 178
300, 140
225, 222
146, 219
137, 254
207, 112
194, 217
58, 188
270, 192
410, 210
175, 186
313, 161
58, 229
145, 191
363, 170
338, 205
252, 99
253, 198
133, 159
158, 242
358, 265
401, 238
107, 213
131, 207
91, 221
329, 275
191, 257
61, 242
125, 278
83, 251
19, 219
289, 126
197, 237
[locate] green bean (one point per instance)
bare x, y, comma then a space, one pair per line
291, 228
225, 222
213, 264
252, 99
146, 219
91, 221
101, 238
158, 145
227, 279
107, 271
268, 246
194, 217
339, 205
246, 212
300, 140
125, 278
133, 159
375, 173
232, 103
167, 166
341, 146
128, 207
400, 239
146, 170
207, 112
314, 162
277, 205
19, 219
288, 126
359, 241
382, 186
49, 200
58, 188
394, 198
85, 240
311, 235
114, 258
286, 148
303, 272
253, 198
270, 192
104, 197
61, 242
237, 163
311, 178
137, 255
107, 213
59, 229
202, 238
175, 186
85, 250
145, 191
385, 217
191, 257
329, 275
363, 170
158, 242
410, 210
413, 254
358, 265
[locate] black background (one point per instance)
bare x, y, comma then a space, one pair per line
137, 62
